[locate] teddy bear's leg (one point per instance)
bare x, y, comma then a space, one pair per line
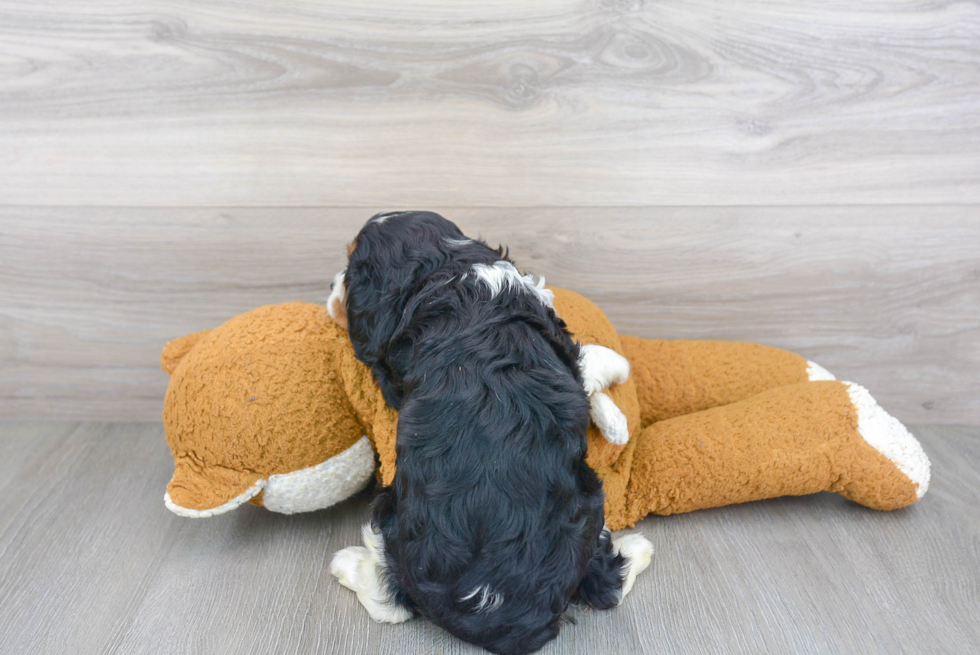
678, 377
791, 440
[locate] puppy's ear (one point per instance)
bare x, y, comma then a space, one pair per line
387, 272
383, 341
391, 369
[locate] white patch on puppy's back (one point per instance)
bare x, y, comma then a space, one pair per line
456, 243
502, 275
381, 218
488, 601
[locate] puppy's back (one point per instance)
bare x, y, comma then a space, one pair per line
490, 521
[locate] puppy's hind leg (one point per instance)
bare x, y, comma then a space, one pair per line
613, 569
637, 551
361, 569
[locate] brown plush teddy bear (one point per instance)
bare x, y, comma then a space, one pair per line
272, 408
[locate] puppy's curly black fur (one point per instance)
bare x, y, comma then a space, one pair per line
494, 522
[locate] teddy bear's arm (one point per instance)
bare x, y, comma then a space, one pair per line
679, 377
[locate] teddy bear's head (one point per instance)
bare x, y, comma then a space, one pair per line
273, 408
256, 411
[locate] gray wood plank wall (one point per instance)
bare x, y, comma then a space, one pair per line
565, 102
803, 174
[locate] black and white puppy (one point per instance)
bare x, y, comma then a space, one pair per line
494, 522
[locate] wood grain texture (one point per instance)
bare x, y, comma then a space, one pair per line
888, 297
505, 103
91, 560
77, 543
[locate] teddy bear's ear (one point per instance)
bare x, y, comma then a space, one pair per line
175, 350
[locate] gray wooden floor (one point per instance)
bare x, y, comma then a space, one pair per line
92, 562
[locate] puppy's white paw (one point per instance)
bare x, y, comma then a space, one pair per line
609, 419
346, 564
601, 368
360, 569
638, 551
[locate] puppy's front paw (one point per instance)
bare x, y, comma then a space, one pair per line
609, 419
601, 368
638, 551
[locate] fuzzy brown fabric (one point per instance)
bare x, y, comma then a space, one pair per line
787, 441
588, 324
262, 394
278, 389
679, 377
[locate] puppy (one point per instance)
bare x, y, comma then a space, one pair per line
494, 522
